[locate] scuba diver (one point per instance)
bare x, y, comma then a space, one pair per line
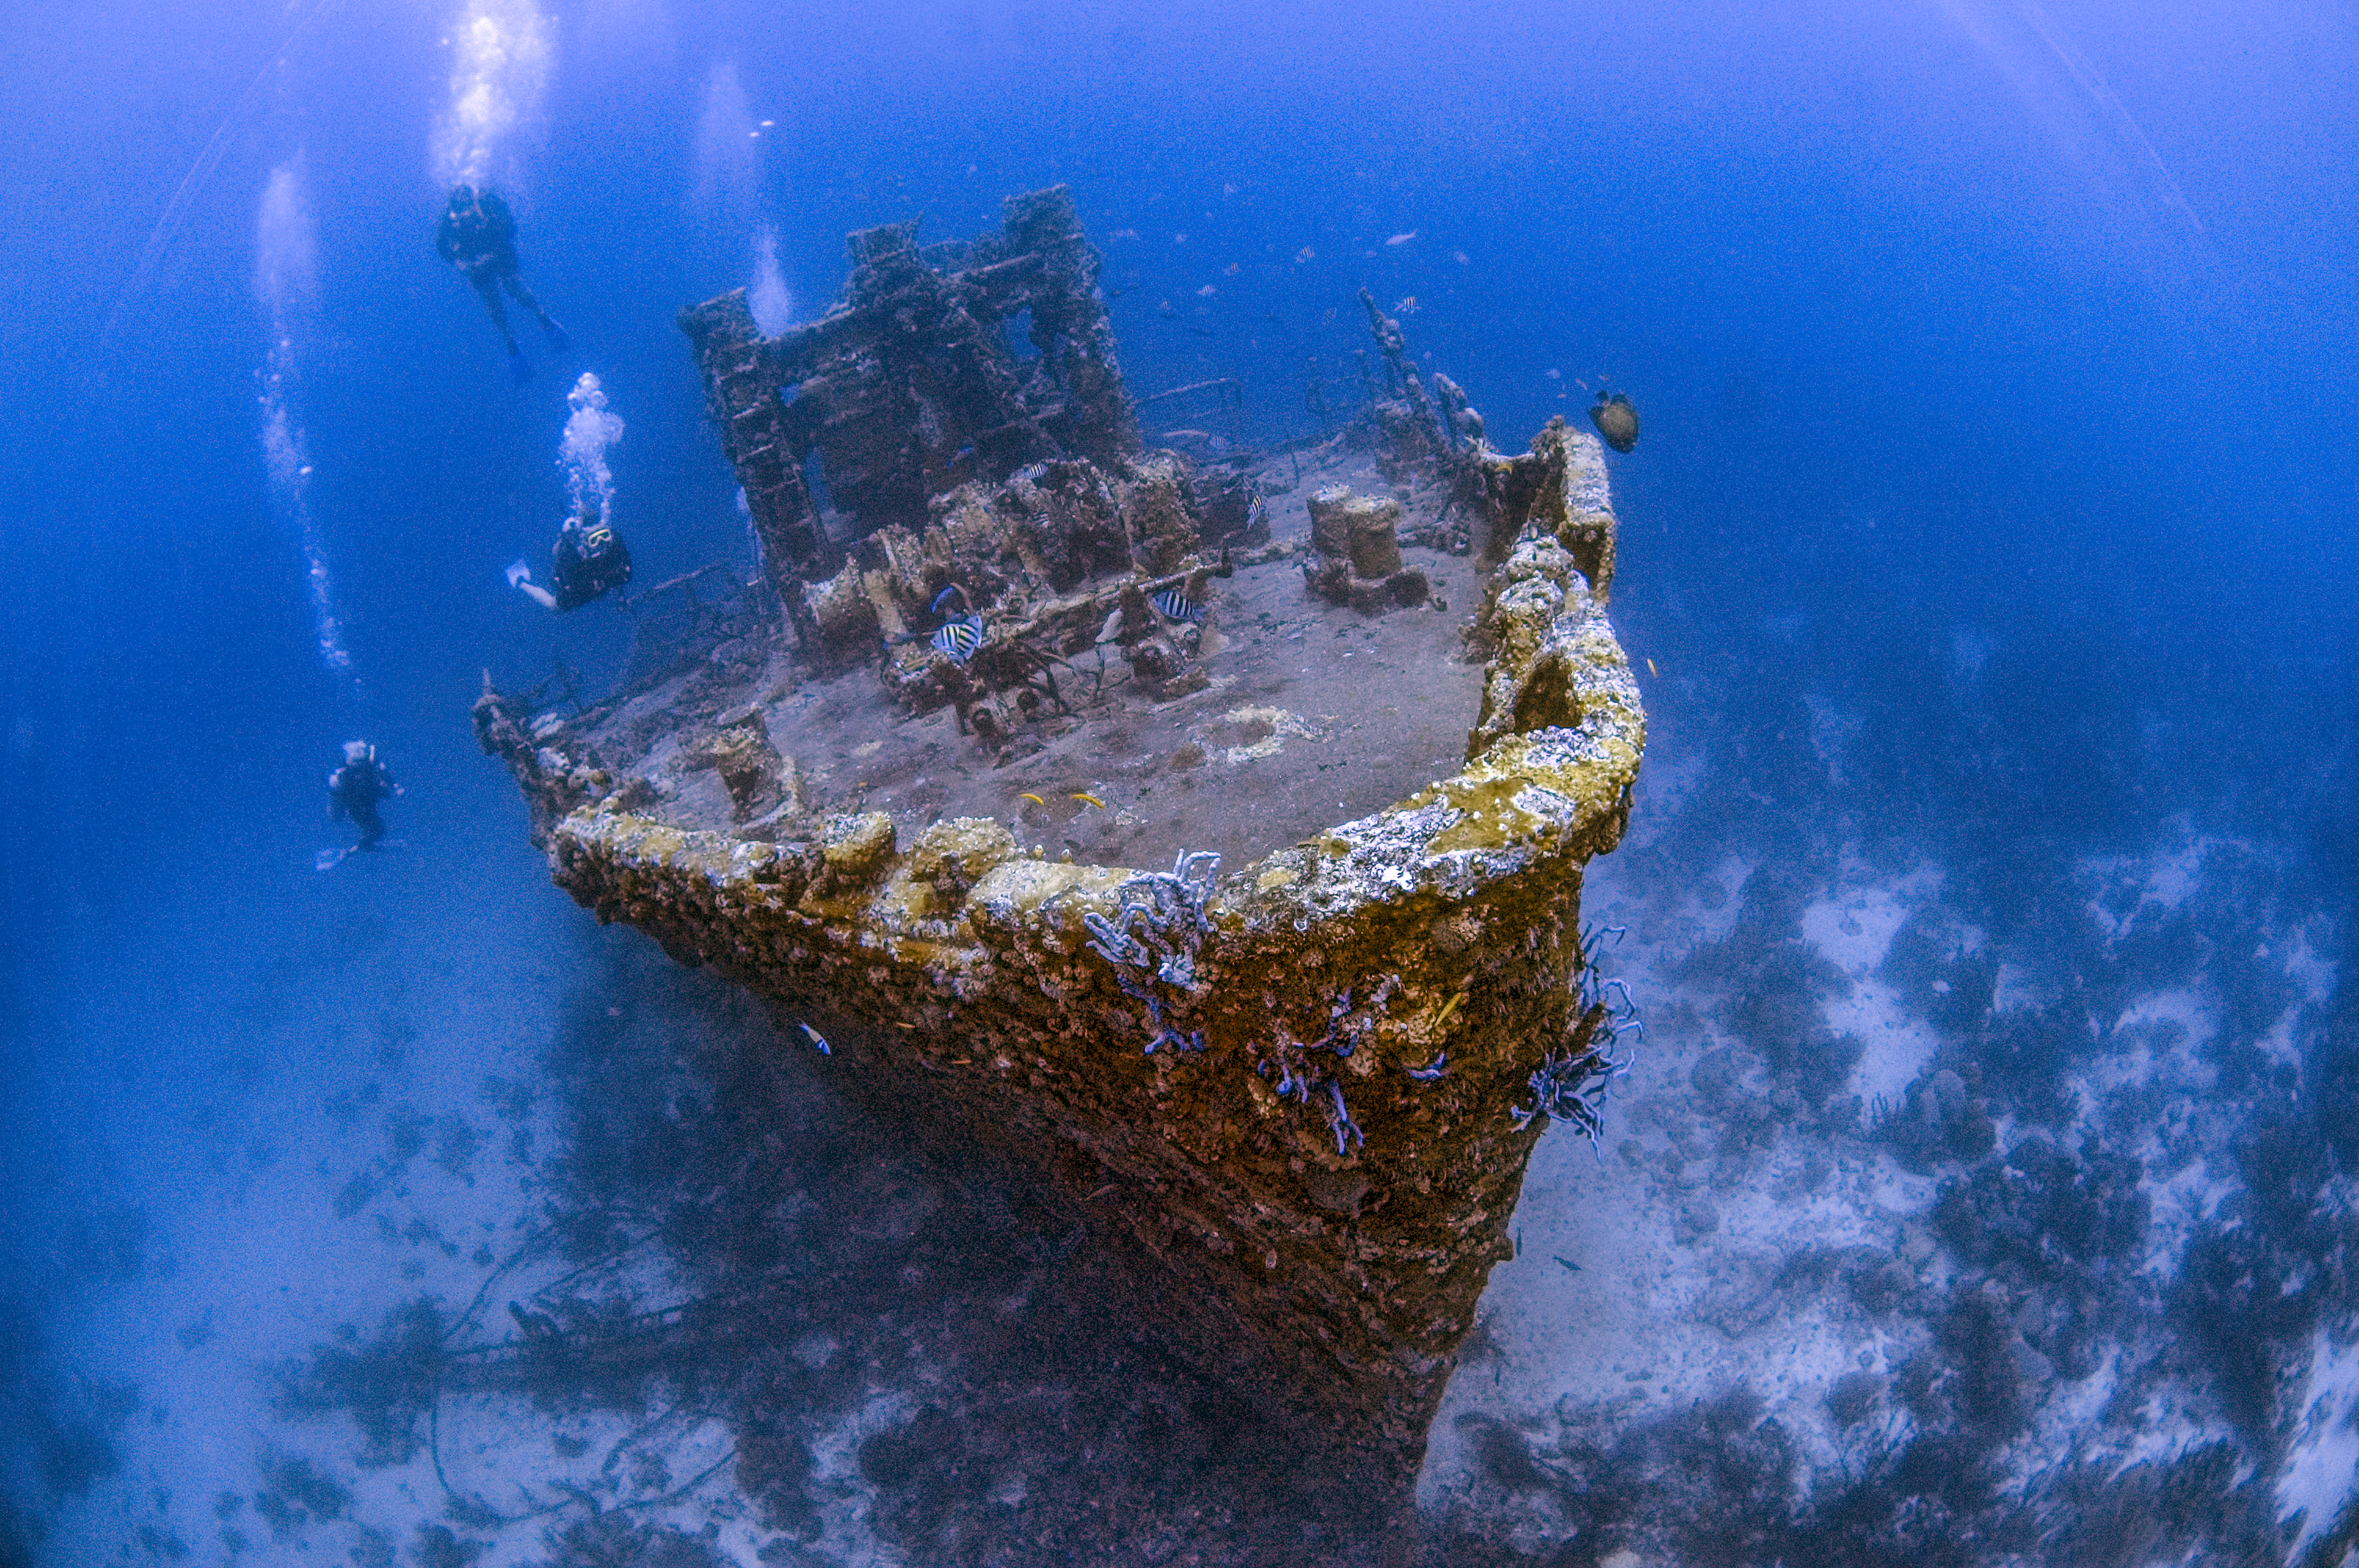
355, 789
588, 559
477, 235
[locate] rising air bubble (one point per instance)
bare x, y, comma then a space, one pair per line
285, 283
499, 66
590, 429
773, 308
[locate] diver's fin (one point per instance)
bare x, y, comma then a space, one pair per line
519, 367
559, 340
517, 572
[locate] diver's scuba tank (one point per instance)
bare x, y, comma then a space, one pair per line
1616, 421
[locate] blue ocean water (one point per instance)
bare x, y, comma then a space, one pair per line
1990, 539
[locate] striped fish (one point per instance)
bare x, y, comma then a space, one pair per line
957, 640
1178, 606
1253, 512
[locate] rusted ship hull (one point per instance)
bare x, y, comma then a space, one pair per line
1309, 1087
982, 992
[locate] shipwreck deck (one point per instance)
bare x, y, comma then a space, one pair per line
1315, 713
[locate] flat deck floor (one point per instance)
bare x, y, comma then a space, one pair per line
1316, 715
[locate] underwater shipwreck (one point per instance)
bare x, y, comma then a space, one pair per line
1195, 830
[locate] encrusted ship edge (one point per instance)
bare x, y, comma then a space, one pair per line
1300, 1090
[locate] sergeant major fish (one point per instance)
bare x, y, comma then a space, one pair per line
1178, 606
957, 640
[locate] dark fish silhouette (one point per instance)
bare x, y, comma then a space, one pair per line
1616, 421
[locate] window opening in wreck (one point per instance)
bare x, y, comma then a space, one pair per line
1018, 328
815, 481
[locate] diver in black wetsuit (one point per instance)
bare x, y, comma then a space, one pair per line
588, 559
477, 235
355, 789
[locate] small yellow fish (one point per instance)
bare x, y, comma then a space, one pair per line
1653, 671
1033, 799
1094, 800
